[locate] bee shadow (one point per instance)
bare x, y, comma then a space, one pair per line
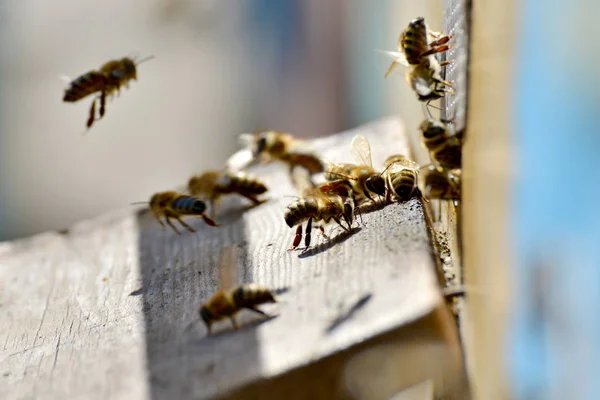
329, 243
225, 331
234, 210
346, 316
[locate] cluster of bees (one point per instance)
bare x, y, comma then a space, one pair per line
347, 186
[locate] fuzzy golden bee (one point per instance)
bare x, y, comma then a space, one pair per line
106, 81
173, 205
402, 176
444, 147
283, 147
321, 208
227, 303
228, 300
440, 183
417, 49
366, 181
212, 185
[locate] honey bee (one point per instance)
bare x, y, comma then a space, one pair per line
107, 80
440, 183
228, 301
444, 147
169, 205
214, 184
320, 207
365, 180
417, 48
402, 176
283, 147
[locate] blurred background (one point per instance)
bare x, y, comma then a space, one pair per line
309, 67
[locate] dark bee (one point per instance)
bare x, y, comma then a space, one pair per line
107, 80
322, 209
212, 185
227, 303
402, 176
283, 147
173, 205
444, 147
439, 183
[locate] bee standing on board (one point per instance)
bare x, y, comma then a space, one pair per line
107, 80
402, 176
444, 147
228, 301
211, 185
365, 180
172, 205
439, 183
417, 49
321, 208
283, 147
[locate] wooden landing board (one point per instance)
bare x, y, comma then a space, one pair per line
110, 309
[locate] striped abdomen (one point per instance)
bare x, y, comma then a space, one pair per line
188, 205
240, 183
251, 295
449, 155
414, 41
300, 211
404, 183
85, 85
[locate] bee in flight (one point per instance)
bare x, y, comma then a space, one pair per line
212, 185
365, 180
321, 207
402, 176
279, 146
417, 49
228, 301
105, 81
440, 183
444, 146
173, 205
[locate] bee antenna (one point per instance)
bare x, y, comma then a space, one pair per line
144, 60
140, 202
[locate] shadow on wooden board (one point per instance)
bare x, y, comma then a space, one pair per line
376, 369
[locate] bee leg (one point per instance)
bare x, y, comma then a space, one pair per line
102, 103
92, 116
168, 219
323, 232
337, 220
252, 198
211, 205
307, 233
208, 328
297, 238
439, 49
438, 42
233, 323
186, 226
209, 221
256, 310
447, 62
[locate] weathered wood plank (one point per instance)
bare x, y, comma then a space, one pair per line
110, 310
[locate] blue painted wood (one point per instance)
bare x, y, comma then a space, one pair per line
555, 338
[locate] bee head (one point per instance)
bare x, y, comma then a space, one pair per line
206, 316
261, 144
154, 200
376, 184
129, 69
432, 128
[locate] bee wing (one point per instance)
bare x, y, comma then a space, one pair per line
65, 78
228, 267
397, 56
361, 149
240, 160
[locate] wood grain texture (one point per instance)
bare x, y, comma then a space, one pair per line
110, 309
